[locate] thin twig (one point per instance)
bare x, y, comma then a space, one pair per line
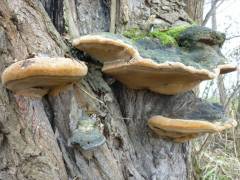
234, 142
98, 100
203, 144
235, 91
210, 12
232, 37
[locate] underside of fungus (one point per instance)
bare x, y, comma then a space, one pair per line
181, 130
37, 76
227, 68
146, 64
165, 78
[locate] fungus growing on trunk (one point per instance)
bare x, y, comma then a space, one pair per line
107, 47
199, 118
146, 63
204, 45
37, 76
87, 136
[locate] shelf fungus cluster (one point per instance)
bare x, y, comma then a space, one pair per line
166, 62
37, 76
147, 63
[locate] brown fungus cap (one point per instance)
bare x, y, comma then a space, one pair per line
227, 68
106, 47
36, 76
178, 129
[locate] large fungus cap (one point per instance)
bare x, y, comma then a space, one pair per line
36, 76
148, 64
106, 47
200, 117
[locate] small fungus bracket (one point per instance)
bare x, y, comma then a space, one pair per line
87, 135
85, 132
194, 119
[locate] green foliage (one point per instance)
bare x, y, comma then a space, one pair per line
134, 34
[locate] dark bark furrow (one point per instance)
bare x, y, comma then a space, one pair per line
54, 8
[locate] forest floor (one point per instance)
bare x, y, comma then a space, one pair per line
217, 157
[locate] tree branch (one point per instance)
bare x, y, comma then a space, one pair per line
210, 12
113, 15
232, 37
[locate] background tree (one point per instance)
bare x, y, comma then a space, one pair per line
194, 8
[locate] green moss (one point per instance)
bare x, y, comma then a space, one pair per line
169, 37
164, 38
134, 34
176, 31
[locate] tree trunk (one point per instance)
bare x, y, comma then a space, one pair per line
34, 132
220, 79
194, 8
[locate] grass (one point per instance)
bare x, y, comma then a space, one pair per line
218, 159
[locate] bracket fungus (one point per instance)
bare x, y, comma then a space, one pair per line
204, 45
199, 117
87, 135
37, 76
107, 47
146, 63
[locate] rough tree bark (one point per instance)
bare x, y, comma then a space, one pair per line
34, 133
194, 8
